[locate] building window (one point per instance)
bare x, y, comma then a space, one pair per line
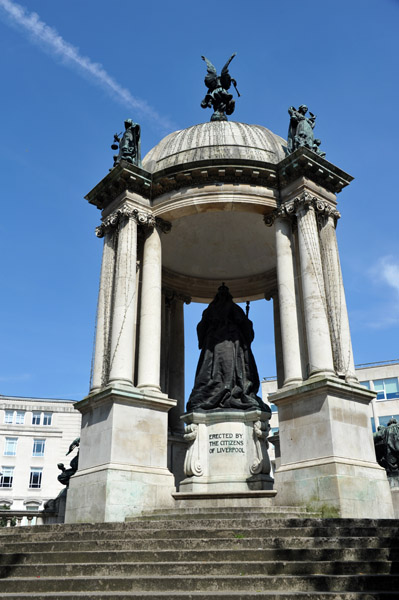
36, 418
6, 477
365, 384
38, 447
20, 420
32, 506
47, 418
35, 479
10, 446
9, 417
386, 388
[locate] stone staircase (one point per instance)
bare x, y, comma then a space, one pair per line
201, 554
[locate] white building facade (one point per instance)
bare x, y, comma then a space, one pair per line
35, 434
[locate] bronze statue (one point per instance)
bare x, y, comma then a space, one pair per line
218, 97
300, 132
386, 442
129, 144
226, 375
66, 474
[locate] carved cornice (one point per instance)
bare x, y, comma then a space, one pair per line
306, 163
126, 178
143, 219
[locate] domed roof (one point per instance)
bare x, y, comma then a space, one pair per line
217, 139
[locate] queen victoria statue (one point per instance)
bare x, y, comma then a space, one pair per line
226, 375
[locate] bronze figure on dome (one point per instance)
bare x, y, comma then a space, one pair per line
218, 97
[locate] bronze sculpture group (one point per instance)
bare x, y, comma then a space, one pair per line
300, 132
218, 96
386, 443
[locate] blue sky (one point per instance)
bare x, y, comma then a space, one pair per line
74, 72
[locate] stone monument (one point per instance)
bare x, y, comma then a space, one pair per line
223, 202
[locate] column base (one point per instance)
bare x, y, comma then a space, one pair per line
327, 452
114, 492
227, 453
123, 456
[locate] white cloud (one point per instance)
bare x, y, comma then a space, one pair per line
384, 274
49, 39
13, 378
388, 270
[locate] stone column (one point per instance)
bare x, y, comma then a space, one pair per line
337, 310
287, 302
314, 297
176, 363
124, 305
150, 316
101, 350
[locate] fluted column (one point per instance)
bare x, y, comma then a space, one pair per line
314, 297
338, 313
101, 349
150, 315
287, 302
124, 305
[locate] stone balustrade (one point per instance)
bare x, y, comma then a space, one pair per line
20, 518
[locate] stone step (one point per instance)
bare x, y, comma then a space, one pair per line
283, 511
209, 524
221, 595
203, 542
187, 583
204, 569
208, 555
176, 533
175, 522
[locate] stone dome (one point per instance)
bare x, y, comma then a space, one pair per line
216, 140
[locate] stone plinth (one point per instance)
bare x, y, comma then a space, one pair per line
123, 461
393, 479
327, 451
227, 452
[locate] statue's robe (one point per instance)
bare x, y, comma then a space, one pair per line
226, 375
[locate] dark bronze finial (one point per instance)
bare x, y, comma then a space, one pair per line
218, 96
300, 132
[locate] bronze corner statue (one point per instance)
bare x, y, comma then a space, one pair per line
129, 144
300, 132
218, 97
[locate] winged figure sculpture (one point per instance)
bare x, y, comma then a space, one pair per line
218, 97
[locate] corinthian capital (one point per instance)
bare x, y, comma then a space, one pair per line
142, 218
285, 210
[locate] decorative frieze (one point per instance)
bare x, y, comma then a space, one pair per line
142, 218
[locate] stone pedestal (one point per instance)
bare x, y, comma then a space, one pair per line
393, 480
122, 461
327, 451
227, 452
